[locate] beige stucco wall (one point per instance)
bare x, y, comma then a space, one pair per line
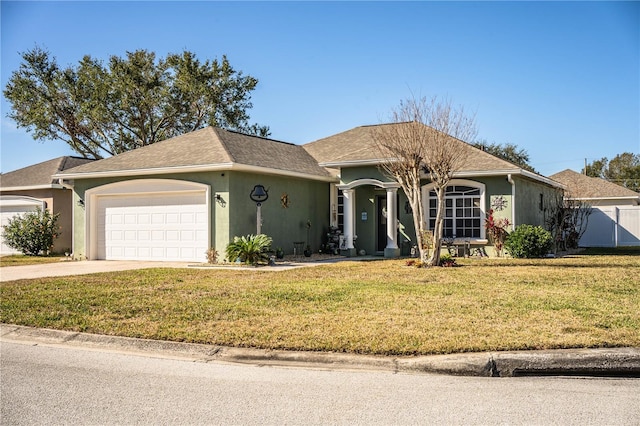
58, 201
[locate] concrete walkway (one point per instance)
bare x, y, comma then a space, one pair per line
66, 268
615, 362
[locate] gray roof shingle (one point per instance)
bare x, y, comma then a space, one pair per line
210, 147
582, 186
40, 174
357, 145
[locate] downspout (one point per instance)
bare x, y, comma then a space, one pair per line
513, 200
73, 215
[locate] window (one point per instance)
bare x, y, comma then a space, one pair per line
463, 213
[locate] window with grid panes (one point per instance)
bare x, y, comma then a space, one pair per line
462, 218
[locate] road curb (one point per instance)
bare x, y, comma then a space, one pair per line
605, 362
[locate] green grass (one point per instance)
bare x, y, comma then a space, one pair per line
377, 307
22, 260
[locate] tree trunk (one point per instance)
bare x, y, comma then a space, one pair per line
434, 259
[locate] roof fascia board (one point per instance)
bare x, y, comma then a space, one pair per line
630, 197
352, 163
507, 172
32, 187
197, 168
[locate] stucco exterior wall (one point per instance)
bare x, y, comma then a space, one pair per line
531, 200
291, 204
58, 201
234, 214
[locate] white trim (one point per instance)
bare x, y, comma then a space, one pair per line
194, 168
375, 182
505, 172
460, 182
21, 200
135, 187
637, 198
352, 163
28, 188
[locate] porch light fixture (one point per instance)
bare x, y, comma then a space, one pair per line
259, 195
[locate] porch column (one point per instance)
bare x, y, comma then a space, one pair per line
349, 221
392, 249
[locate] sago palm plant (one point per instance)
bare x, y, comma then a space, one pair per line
251, 249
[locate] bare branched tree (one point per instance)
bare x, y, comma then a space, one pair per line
567, 219
425, 140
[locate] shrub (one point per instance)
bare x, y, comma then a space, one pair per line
212, 255
32, 233
529, 241
446, 260
251, 249
497, 231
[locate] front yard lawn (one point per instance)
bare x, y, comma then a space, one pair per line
374, 307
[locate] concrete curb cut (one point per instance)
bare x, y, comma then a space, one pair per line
614, 362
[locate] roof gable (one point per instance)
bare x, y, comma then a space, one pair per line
357, 146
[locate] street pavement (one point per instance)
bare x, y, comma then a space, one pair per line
72, 385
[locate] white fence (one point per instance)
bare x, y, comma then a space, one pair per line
612, 226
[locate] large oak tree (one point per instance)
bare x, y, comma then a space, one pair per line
623, 169
105, 109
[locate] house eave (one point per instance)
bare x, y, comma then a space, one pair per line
353, 163
604, 198
193, 169
507, 172
31, 187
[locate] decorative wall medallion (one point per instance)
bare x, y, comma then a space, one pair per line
284, 200
498, 203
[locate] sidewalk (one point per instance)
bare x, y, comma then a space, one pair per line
66, 268
614, 362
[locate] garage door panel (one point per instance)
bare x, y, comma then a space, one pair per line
154, 227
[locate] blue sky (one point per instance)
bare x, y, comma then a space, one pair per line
559, 79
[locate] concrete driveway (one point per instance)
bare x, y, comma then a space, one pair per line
62, 268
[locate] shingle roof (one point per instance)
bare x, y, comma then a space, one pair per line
210, 147
39, 174
582, 186
357, 145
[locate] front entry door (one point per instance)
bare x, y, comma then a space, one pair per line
381, 223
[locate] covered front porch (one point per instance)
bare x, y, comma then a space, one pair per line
370, 218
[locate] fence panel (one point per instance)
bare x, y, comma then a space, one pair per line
611, 226
629, 226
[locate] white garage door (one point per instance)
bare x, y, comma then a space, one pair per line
10, 207
166, 227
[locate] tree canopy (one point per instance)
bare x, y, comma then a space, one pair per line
623, 169
422, 142
129, 102
508, 151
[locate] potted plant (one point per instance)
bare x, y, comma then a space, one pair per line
307, 251
279, 253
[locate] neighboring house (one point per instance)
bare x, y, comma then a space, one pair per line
615, 217
31, 187
175, 199
595, 191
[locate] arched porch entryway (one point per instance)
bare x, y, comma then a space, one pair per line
391, 249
